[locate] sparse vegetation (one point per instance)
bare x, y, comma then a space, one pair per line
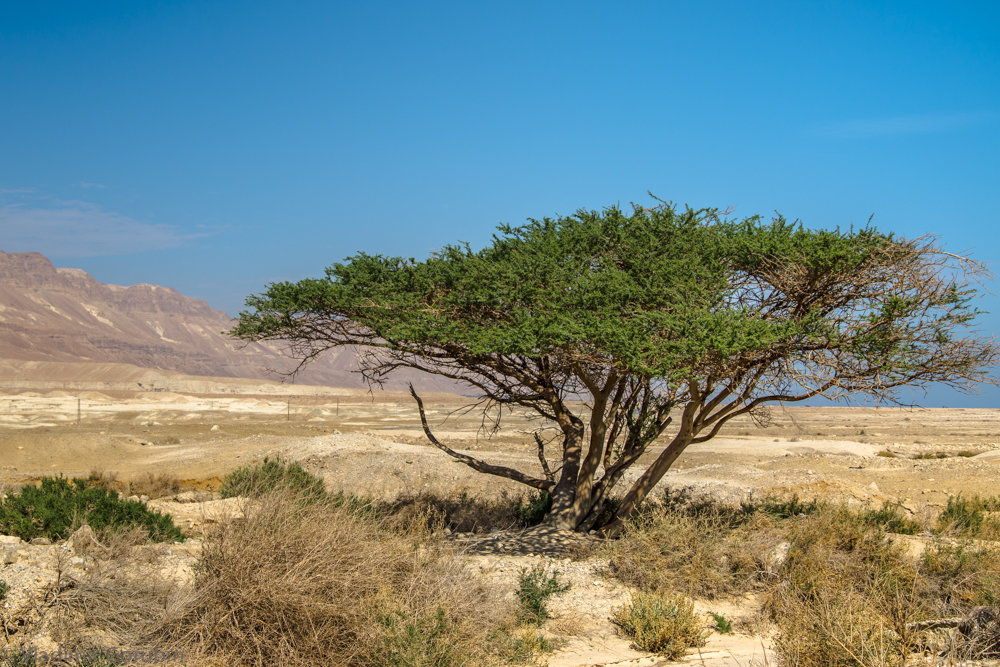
531, 511
661, 624
17, 657
270, 475
930, 455
887, 453
152, 485
316, 584
971, 517
722, 624
837, 588
57, 506
4, 587
891, 519
535, 586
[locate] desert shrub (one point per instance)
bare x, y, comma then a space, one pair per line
958, 577
154, 485
57, 506
531, 511
534, 588
846, 596
17, 657
315, 584
459, 512
970, 517
930, 455
969, 453
661, 624
722, 624
886, 453
4, 587
782, 508
269, 475
891, 519
702, 548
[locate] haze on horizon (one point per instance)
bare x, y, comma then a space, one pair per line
217, 147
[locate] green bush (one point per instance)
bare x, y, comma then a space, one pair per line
661, 624
532, 511
269, 475
722, 624
535, 587
58, 506
4, 587
891, 519
969, 517
415, 643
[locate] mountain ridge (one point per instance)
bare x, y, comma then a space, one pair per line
56, 314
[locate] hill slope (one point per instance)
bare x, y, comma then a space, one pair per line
65, 315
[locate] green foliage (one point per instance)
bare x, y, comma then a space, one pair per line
57, 506
4, 587
269, 475
969, 517
781, 508
535, 586
891, 519
964, 575
17, 657
668, 307
425, 642
722, 624
531, 511
661, 624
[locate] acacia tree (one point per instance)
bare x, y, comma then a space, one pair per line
619, 330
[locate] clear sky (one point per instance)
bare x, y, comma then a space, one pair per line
214, 147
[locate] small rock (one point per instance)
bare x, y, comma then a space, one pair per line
215, 427
186, 497
874, 487
144, 498
9, 555
41, 541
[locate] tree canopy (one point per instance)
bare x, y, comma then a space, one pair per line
620, 328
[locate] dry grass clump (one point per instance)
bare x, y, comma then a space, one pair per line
464, 513
971, 517
315, 584
700, 548
153, 485
836, 588
847, 595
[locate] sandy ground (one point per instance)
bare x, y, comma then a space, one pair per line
371, 444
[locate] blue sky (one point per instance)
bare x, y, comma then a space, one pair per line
217, 146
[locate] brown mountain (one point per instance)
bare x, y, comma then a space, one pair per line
53, 314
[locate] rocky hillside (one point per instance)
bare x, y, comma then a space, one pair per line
64, 315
